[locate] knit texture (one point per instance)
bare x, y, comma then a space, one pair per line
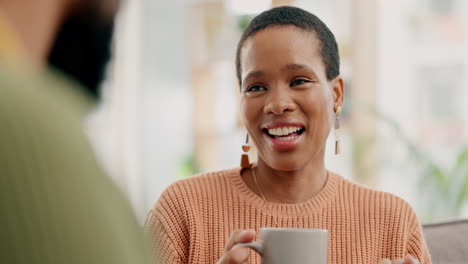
193, 219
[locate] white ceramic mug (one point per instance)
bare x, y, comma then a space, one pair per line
291, 246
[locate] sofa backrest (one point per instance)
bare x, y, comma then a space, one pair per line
447, 242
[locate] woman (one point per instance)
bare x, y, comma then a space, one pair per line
291, 95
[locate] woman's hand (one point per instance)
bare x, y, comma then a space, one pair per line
408, 259
237, 255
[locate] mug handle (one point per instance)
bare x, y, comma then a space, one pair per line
256, 245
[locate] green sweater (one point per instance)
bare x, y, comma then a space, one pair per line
56, 204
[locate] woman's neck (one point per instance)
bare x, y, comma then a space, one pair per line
287, 186
35, 25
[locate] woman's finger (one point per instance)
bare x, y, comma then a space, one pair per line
385, 261
235, 256
409, 259
239, 236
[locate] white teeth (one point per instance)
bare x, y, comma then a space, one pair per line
292, 130
288, 138
283, 131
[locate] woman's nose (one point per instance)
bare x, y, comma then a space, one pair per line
279, 101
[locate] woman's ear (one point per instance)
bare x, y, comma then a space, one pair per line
337, 91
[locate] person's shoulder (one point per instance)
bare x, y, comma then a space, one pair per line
13, 87
198, 186
207, 179
192, 193
42, 144
373, 199
46, 91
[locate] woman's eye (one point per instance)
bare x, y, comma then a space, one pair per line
255, 88
298, 82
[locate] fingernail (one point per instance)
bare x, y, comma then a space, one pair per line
248, 231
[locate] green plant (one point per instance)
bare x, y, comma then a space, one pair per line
450, 185
187, 167
446, 188
243, 21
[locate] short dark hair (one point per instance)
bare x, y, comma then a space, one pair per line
287, 15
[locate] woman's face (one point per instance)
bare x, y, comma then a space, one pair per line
287, 102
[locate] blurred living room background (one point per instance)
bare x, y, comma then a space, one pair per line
170, 103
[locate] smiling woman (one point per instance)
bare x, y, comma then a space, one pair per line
291, 95
286, 85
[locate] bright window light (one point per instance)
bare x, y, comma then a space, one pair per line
241, 7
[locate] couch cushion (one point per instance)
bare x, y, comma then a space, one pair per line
447, 242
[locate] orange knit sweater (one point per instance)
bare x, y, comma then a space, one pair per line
193, 218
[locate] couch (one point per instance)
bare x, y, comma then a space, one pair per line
447, 242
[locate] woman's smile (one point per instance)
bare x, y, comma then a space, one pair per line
287, 101
283, 135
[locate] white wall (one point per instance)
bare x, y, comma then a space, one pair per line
165, 96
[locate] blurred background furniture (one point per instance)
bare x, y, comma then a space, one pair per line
448, 241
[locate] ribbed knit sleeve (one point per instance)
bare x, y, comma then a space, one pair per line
159, 236
416, 244
167, 225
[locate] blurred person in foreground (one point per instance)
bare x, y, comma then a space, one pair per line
291, 97
56, 204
